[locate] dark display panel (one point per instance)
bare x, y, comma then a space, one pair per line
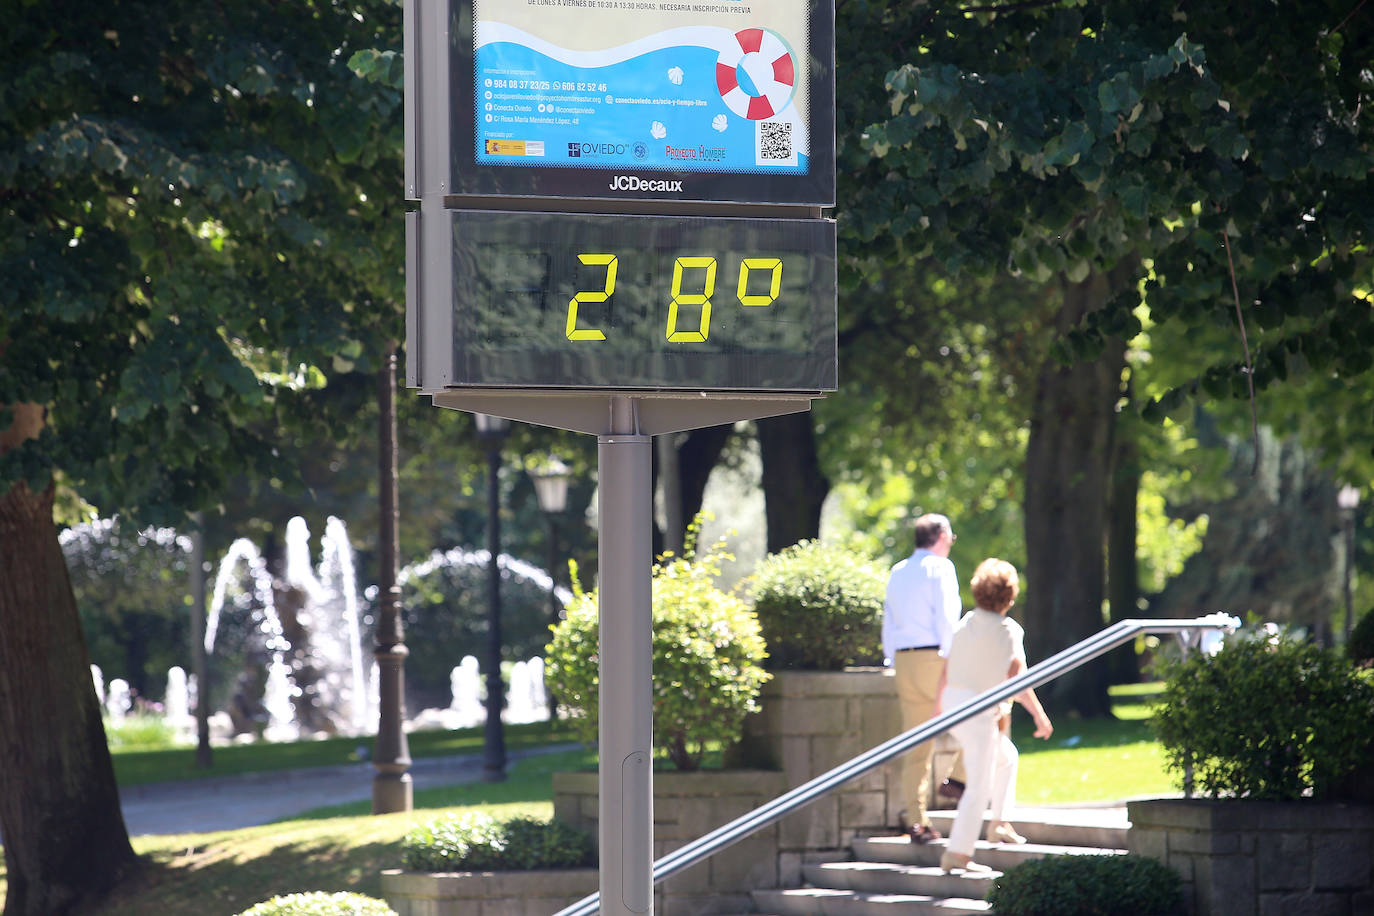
556, 300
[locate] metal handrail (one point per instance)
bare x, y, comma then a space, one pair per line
1073, 657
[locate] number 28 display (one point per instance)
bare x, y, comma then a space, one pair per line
545, 300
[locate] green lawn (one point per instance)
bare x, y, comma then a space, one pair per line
1092, 760
135, 767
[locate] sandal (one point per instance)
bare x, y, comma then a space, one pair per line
920, 833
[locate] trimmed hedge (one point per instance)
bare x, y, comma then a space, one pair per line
1119, 885
820, 607
1268, 717
320, 903
707, 659
474, 841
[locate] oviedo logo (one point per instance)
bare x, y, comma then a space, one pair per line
635, 183
593, 150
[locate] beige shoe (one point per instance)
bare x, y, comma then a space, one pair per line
954, 861
1004, 833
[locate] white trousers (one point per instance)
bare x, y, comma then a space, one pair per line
990, 763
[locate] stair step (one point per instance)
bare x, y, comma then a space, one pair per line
814, 901
1102, 828
898, 850
889, 878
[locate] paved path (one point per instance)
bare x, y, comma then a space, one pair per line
230, 802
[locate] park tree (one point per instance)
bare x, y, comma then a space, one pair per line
1200, 166
199, 228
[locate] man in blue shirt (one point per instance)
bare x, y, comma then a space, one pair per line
919, 613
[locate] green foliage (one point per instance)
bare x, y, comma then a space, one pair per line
1360, 648
193, 237
1267, 717
819, 606
707, 658
1122, 885
320, 903
1061, 141
475, 841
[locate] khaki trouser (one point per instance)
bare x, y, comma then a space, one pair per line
918, 678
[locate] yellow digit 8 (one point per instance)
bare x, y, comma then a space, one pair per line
591, 260
702, 299
774, 283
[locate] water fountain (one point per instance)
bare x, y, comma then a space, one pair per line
290, 653
465, 685
118, 701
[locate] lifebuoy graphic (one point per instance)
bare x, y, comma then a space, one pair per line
756, 74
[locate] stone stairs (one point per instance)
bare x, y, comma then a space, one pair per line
890, 875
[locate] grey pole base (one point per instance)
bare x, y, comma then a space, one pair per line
392, 792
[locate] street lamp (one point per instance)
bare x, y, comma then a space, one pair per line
492, 431
551, 489
1348, 499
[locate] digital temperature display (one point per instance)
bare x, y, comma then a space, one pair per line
567, 300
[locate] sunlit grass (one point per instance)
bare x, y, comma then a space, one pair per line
134, 766
1095, 760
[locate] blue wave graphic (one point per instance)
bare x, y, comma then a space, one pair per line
627, 115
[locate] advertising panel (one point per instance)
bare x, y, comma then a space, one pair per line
716, 100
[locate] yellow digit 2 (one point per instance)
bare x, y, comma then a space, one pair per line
774, 284
702, 299
591, 260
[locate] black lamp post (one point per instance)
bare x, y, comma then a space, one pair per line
1348, 499
492, 431
551, 489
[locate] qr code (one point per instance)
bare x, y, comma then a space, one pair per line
775, 140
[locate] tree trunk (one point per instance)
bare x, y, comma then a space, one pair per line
1068, 480
1123, 578
64, 835
793, 486
697, 456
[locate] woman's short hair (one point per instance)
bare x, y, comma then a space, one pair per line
995, 585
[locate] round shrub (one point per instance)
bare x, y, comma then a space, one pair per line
474, 841
320, 903
1360, 648
1267, 717
707, 659
820, 607
1122, 885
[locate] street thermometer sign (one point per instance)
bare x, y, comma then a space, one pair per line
614, 226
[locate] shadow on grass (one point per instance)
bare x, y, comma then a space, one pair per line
214, 880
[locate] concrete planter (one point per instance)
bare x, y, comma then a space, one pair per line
809, 722
1265, 858
511, 893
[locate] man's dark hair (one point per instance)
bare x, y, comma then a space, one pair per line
929, 527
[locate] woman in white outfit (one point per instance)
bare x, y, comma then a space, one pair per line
985, 650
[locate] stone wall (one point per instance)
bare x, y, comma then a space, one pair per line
686, 806
809, 722
512, 893
1262, 858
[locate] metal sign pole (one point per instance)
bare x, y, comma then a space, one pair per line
626, 664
